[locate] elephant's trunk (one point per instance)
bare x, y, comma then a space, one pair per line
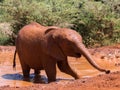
89, 58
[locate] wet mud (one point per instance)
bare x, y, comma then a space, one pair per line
107, 57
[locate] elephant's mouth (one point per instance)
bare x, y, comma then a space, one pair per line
78, 55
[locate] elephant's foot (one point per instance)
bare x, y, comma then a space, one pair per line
107, 71
26, 79
38, 79
26, 76
51, 80
77, 77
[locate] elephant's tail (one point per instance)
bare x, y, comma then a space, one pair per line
14, 60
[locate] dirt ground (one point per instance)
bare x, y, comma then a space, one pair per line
107, 57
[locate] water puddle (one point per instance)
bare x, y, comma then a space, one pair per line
13, 78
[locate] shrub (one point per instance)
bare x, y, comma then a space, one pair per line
5, 34
45, 12
96, 25
96, 20
4, 40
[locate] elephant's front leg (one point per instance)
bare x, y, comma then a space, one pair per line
64, 67
50, 69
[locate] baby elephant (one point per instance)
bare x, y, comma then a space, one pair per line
41, 48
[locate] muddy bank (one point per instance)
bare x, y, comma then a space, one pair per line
107, 57
101, 82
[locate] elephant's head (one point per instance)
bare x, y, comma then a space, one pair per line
66, 42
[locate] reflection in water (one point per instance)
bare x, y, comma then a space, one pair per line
14, 78
19, 77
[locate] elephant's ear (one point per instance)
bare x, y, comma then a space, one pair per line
53, 48
50, 28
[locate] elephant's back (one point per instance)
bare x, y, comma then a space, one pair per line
31, 32
30, 37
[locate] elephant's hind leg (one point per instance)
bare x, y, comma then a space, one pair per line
36, 72
26, 72
64, 67
37, 78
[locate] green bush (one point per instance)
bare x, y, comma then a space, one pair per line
97, 24
4, 40
5, 34
96, 20
45, 12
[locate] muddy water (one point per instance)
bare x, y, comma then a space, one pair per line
13, 78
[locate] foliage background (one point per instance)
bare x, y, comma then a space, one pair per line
98, 21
